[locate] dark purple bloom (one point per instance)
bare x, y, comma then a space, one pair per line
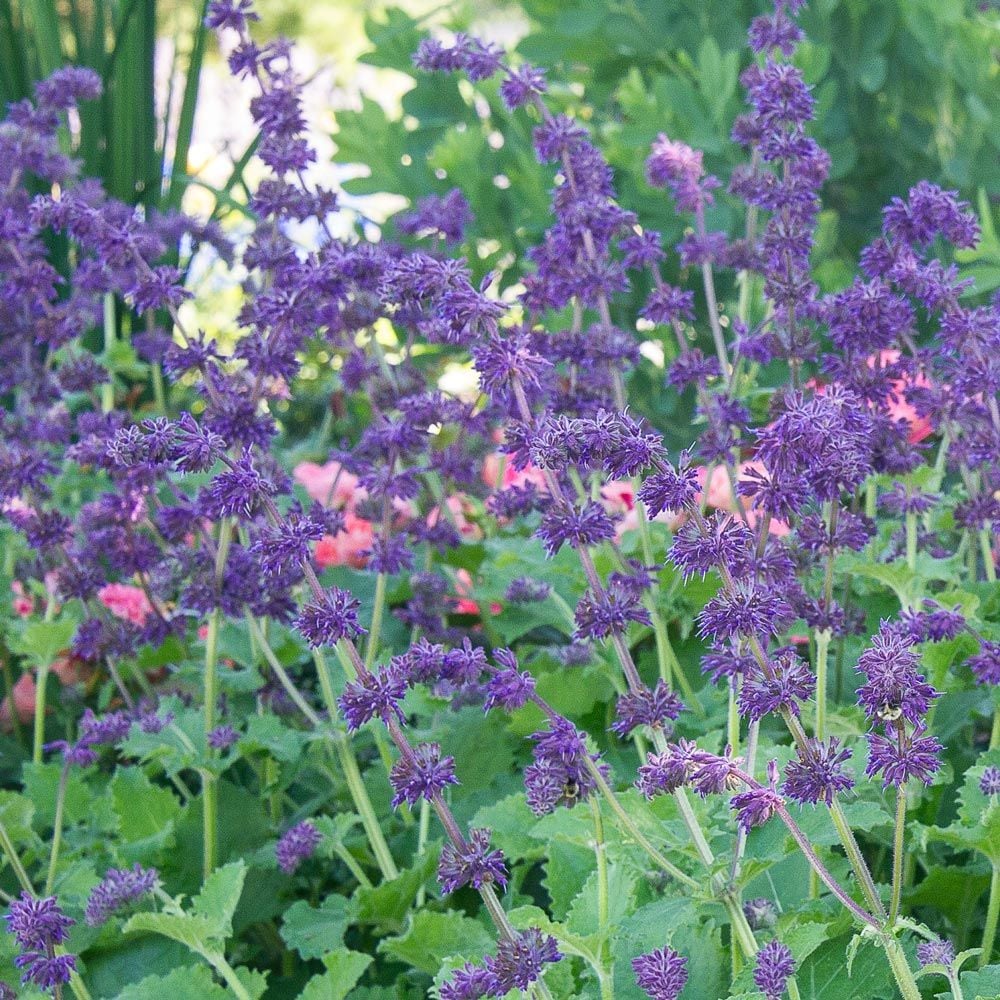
373, 695
475, 864
239, 491
929, 212
667, 304
521, 961
118, 888
902, 758
38, 925
564, 524
444, 216
893, 686
787, 682
222, 737
989, 781
608, 613
817, 773
661, 974
985, 665
525, 590
747, 611
755, 806
326, 622
936, 952
470, 982
296, 845
421, 774
509, 688
521, 85
760, 913
669, 489
667, 771
655, 708
773, 966
559, 774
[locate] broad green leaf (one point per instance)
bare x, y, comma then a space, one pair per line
16, 814
386, 904
194, 932
314, 931
146, 814
219, 898
432, 936
43, 641
268, 732
344, 969
191, 982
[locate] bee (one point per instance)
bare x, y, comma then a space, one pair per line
890, 713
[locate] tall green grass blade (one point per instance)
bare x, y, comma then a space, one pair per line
44, 18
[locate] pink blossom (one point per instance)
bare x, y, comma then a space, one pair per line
126, 602
330, 484
511, 476
348, 547
461, 509
465, 604
618, 497
897, 405
23, 603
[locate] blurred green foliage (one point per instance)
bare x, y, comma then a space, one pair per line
906, 90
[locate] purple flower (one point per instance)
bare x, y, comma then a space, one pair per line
772, 968
421, 773
222, 737
760, 913
508, 688
237, 492
755, 807
989, 781
475, 864
667, 771
521, 85
661, 974
521, 961
985, 665
326, 622
936, 952
608, 613
748, 611
525, 590
470, 982
787, 682
669, 489
893, 686
667, 304
118, 888
296, 845
559, 774
563, 524
373, 696
929, 212
903, 758
817, 773
38, 925
655, 708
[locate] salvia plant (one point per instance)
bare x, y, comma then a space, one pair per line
477, 690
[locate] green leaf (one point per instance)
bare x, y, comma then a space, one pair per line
191, 982
268, 732
146, 814
386, 904
43, 641
344, 969
194, 932
313, 931
978, 824
584, 918
431, 937
16, 814
217, 901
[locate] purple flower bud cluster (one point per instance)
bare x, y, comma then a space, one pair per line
39, 927
118, 889
296, 845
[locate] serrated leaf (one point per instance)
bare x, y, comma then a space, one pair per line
268, 732
432, 936
314, 931
190, 982
16, 814
583, 916
146, 814
219, 898
387, 903
194, 932
43, 641
344, 969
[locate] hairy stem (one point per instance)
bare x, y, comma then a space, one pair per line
992, 914
898, 853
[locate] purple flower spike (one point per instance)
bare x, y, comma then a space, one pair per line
477, 864
119, 888
296, 845
774, 965
936, 952
989, 782
661, 974
38, 925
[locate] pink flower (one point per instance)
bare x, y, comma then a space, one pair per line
346, 548
23, 603
511, 476
720, 496
68, 669
618, 497
461, 509
126, 602
897, 405
330, 484
465, 604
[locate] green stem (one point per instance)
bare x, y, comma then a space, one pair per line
57, 829
355, 869
210, 788
911, 541
604, 972
900, 968
733, 719
352, 775
218, 962
987, 551
8, 848
423, 832
898, 853
41, 682
108, 388
823, 637
992, 913
375, 631
856, 859
637, 835
995, 731
694, 828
